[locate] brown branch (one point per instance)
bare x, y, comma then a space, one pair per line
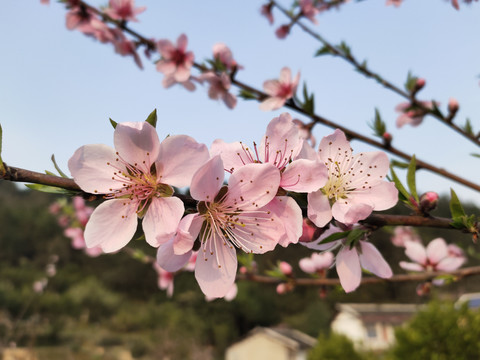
426, 276
362, 68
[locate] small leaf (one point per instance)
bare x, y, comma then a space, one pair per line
378, 125
399, 164
354, 236
411, 82
335, 237
50, 189
114, 123
62, 174
247, 95
435, 110
345, 49
456, 207
475, 155
324, 51
152, 118
412, 168
468, 127
399, 185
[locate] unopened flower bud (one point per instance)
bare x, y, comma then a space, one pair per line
281, 288
243, 270
423, 288
387, 137
285, 268
453, 105
420, 83
428, 201
283, 31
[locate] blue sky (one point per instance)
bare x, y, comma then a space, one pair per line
58, 88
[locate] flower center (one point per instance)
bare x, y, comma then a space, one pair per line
282, 156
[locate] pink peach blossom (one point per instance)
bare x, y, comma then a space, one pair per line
127, 47
237, 216
219, 88
175, 61
410, 114
229, 296
222, 53
137, 179
437, 256
356, 183
165, 279
281, 146
123, 10
280, 90
285, 268
317, 262
351, 259
403, 234
282, 31
308, 231
396, 3
266, 10
309, 10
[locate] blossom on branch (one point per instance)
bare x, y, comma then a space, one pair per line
412, 114
404, 234
222, 53
437, 256
280, 90
237, 216
318, 263
266, 10
175, 61
281, 146
309, 10
219, 88
351, 258
355, 185
123, 10
137, 179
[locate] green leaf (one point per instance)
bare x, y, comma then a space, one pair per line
468, 127
114, 124
435, 110
345, 49
378, 125
50, 189
398, 164
354, 236
456, 208
475, 155
324, 51
399, 185
412, 168
247, 95
411, 82
335, 237
152, 118
62, 174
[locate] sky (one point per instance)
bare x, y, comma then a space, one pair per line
58, 88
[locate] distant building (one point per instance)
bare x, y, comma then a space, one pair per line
371, 326
271, 344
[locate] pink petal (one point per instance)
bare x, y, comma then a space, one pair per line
137, 142
348, 213
436, 250
318, 210
166, 67
232, 154
112, 225
285, 75
304, 176
168, 260
290, 215
271, 87
162, 219
165, 48
182, 42
187, 232
182, 73
323, 260
307, 265
272, 103
348, 269
253, 186
335, 146
179, 157
208, 180
411, 266
416, 252
381, 196
282, 136
216, 272
230, 100
89, 168
450, 263
372, 260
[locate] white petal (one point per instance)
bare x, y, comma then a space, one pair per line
290, 215
208, 180
304, 176
112, 225
319, 211
162, 219
372, 260
348, 269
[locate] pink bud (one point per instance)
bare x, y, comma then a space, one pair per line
285, 268
453, 105
428, 201
243, 270
282, 288
387, 136
420, 83
282, 31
